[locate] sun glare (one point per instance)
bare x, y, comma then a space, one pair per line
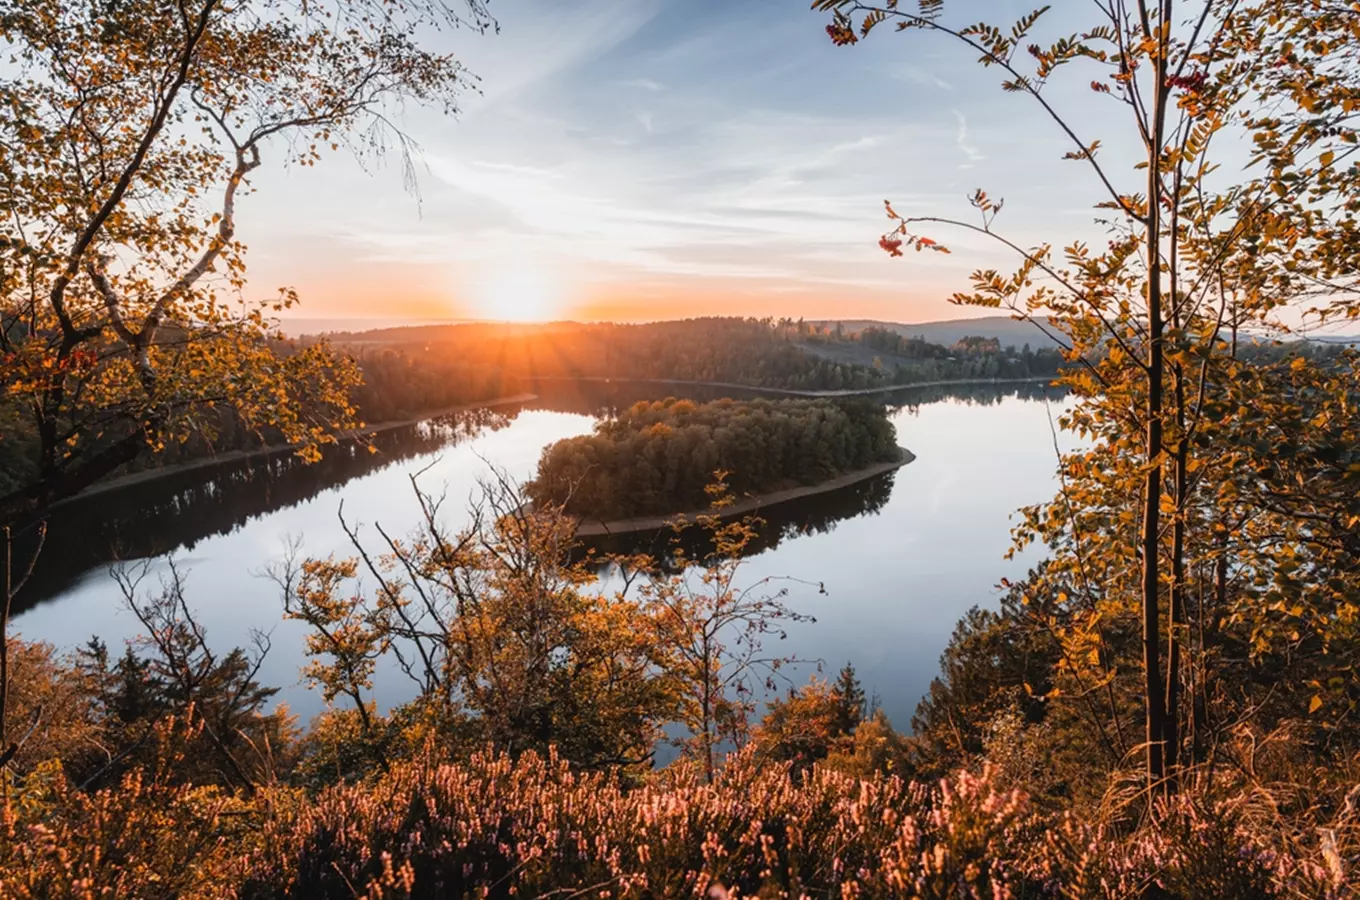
518, 294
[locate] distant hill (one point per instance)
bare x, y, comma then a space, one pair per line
300, 326
1349, 340
948, 332
444, 331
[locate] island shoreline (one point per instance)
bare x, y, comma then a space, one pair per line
594, 528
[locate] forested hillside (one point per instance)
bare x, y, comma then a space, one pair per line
660, 457
1008, 331
785, 354
390, 385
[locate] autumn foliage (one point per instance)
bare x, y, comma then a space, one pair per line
1164, 707
1183, 519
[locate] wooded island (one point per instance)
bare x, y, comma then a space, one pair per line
657, 458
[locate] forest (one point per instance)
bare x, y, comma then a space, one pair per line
660, 457
1163, 707
769, 353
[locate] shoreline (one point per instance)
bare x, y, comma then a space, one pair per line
134, 478
595, 528
792, 392
146, 475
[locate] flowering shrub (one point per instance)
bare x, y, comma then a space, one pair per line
150, 836
1196, 851
494, 827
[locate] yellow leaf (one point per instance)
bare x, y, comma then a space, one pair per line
1314, 704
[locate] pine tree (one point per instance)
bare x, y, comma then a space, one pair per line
849, 700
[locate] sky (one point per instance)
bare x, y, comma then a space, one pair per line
649, 159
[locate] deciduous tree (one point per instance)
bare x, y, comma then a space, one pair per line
129, 133
1152, 322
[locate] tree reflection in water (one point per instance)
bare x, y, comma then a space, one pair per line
815, 514
178, 509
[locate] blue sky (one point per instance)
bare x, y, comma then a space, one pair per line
640, 159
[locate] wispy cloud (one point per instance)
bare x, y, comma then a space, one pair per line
550, 42
968, 149
919, 75
635, 142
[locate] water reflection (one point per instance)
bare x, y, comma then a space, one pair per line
178, 509
815, 514
981, 393
607, 398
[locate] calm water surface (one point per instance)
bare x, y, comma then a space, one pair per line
901, 556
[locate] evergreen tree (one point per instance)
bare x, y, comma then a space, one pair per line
850, 700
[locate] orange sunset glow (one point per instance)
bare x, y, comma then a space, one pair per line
597, 173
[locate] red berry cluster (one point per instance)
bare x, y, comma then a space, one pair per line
1193, 83
841, 35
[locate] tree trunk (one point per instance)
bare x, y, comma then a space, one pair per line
1178, 627
1154, 698
12, 584
1155, 716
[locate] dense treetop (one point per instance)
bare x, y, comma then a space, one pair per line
658, 458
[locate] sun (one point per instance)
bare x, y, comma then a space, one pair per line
518, 293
